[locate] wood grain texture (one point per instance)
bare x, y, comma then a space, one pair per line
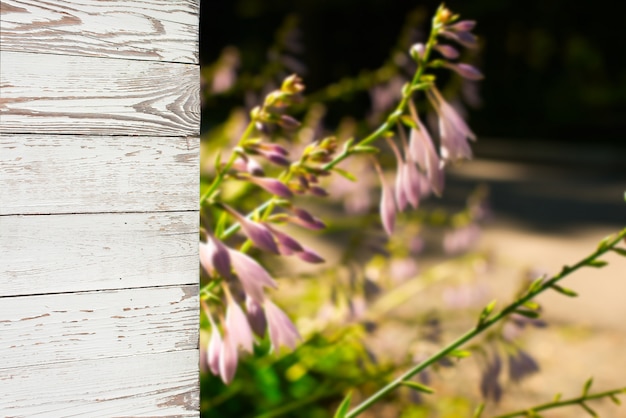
54, 94
149, 385
97, 325
41, 174
132, 29
71, 253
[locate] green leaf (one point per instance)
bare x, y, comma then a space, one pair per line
597, 263
564, 290
417, 386
527, 314
589, 410
479, 410
531, 304
344, 173
342, 410
620, 251
587, 386
460, 353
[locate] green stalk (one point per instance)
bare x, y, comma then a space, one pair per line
557, 404
486, 323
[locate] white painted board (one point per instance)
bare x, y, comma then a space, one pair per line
148, 385
42, 174
80, 326
139, 30
69, 253
55, 94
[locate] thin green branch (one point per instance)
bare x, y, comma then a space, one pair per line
486, 322
557, 404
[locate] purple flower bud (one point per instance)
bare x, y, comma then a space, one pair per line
258, 233
463, 26
273, 186
447, 51
318, 191
288, 122
277, 159
228, 359
256, 317
237, 327
273, 148
465, 71
251, 275
310, 256
417, 51
286, 244
387, 206
214, 257
282, 330
306, 220
464, 38
254, 168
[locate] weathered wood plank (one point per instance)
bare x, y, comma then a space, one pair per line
132, 29
155, 385
97, 174
71, 253
55, 94
97, 325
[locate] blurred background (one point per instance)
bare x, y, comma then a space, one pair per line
550, 118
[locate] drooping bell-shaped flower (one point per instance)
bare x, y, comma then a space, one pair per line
286, 244
411, 176
237, 326
400, 189
229, 358
282, 331
256, 316
423, 152
213, 350
252, 276
447, 51
214, 257
387, 205
452, 128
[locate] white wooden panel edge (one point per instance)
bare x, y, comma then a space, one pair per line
70, 253
90, 325
42, 174
147, 29
83, 95
154, 385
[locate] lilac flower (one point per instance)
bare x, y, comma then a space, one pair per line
282, 330
251, 275
228, 358
237, 326
273, 186
387, 205
423, 152
214, 257
465, 71
256, 316
452, 128
258, 233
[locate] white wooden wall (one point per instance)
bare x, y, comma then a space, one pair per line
99, 136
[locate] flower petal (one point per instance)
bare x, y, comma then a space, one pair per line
251, 275
282, 331
228, 359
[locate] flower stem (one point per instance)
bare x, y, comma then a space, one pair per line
557, 404
606, 246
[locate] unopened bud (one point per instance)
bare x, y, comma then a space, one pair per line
417, 51
292, 84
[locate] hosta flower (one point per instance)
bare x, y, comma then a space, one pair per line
282, 330
258, 233
452, 128
305, 219
214, 348
521, 364
273, 186
214, 257
252, 276
228, 358
387, 205
423, 152
286, 244
237, 326
256, 316
465, 70
310, 256
447, 51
